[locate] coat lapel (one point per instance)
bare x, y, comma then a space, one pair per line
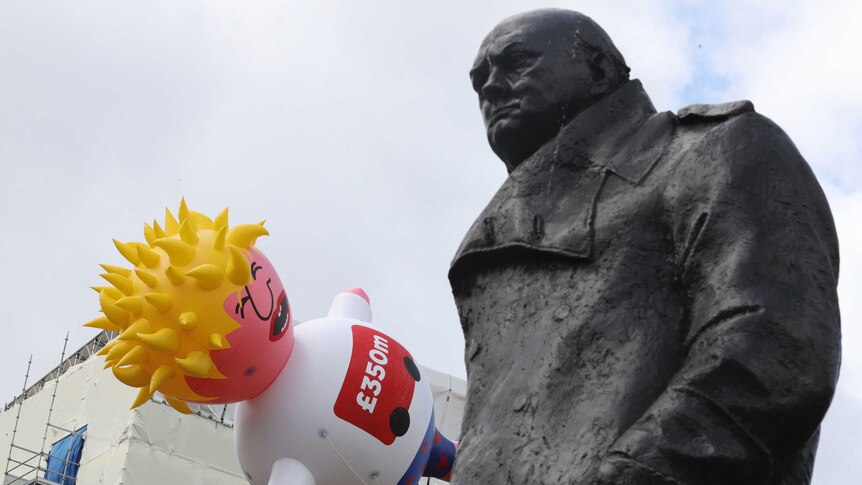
539, 213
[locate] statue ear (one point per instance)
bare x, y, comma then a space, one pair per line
602, 70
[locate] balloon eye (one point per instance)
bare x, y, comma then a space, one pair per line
254, 269
280, 319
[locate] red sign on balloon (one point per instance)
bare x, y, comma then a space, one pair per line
378, 387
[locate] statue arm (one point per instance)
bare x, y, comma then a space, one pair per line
758, 264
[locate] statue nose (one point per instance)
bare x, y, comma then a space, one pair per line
495, 87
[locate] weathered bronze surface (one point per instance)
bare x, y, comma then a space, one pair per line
650, 298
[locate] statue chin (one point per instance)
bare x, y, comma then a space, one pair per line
512, 142
507, 140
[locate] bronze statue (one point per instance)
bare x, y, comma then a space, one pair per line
650, 298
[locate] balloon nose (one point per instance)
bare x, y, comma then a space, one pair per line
360, 292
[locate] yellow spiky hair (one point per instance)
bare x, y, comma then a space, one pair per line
168, 308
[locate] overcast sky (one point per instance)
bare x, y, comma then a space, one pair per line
351, 127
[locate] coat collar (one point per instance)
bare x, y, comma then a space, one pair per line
618, 133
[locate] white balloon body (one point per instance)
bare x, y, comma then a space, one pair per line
295, 417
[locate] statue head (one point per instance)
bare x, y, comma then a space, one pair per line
535, 72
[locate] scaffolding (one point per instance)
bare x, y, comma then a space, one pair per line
28, 466
26, 470
217, 413
82, 354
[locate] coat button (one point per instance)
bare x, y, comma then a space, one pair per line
562, 312
520, 403
399, 421
513, 314
488, 230
473, 349
537, 229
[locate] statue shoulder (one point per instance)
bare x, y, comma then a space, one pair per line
732, 144
700, 113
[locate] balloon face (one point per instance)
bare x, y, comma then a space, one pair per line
201, 315
261, 346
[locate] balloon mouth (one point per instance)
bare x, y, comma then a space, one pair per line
281, 318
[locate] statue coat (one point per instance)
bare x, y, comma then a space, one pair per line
650, 298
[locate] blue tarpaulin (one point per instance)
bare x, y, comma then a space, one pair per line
65, 458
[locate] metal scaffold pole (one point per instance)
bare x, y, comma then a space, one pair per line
18, 414
29, 467
54, 393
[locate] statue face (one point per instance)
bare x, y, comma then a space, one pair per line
531, 79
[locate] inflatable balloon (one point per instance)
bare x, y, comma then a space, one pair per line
203, 317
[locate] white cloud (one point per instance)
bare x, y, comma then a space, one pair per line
798, 61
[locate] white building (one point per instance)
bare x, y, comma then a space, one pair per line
152, 444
